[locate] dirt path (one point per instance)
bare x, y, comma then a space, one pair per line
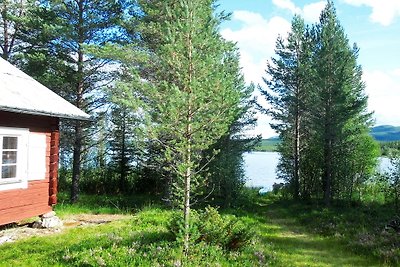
16, 232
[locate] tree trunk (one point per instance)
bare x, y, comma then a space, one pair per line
76, 164
299, 83
5, 31
296, 182
328, 167
188, 174
76, 167
186, 207
123, 161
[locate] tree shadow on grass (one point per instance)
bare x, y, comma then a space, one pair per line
76, 246
122, 247
100, 204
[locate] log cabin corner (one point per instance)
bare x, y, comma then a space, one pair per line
29, 142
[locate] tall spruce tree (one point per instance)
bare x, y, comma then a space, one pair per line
340, 108
318, 100
85, 22
187, 94
289, 92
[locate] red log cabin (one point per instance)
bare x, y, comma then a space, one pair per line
29, 139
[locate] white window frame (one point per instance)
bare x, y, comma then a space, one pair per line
20, 181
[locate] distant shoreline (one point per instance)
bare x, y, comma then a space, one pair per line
383, 134
267, 145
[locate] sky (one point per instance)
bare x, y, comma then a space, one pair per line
374, 25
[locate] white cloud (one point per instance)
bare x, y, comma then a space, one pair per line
309, 12
312, 11
396, 72
287, 4
383, 89
256, 41
383, 11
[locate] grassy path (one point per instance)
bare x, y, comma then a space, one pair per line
292, 245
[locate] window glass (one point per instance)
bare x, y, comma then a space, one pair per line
10, 142
9, 157
13, 158
9, 172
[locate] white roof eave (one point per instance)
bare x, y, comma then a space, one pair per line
40, 113
20, 93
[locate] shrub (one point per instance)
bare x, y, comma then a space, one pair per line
210, 227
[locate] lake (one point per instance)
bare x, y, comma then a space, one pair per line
260, 168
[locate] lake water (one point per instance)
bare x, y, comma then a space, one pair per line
261, 166
260, 169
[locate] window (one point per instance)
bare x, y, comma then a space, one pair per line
13, 162
9, 157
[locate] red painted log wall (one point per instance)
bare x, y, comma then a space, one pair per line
38, 198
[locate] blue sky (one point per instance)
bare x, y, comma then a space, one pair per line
373, 24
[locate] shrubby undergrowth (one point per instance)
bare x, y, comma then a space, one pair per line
210, 227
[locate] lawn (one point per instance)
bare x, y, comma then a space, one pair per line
283, 238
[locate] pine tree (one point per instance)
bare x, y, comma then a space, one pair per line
73, 64
289, 91
317, 98
340, 108
14, 15
189, 99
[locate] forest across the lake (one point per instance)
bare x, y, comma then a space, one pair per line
387, 135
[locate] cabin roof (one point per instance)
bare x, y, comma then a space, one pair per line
21, 93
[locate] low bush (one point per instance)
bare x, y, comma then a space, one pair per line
211, 227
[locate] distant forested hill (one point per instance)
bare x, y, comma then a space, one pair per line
386, 133
382, 133
268, 145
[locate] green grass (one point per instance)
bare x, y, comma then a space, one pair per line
341, 230
104, 204
284, 237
